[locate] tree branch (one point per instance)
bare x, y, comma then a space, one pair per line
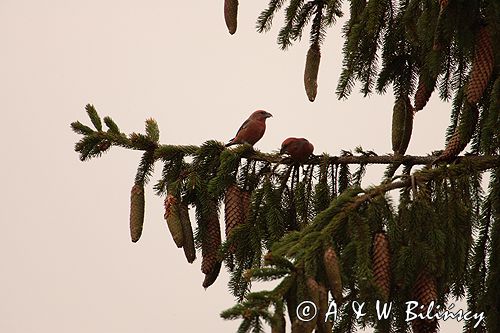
373, 159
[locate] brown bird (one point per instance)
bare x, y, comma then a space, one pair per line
299, 149
252, 129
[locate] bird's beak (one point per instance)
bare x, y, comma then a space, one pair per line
283, 150
268, 115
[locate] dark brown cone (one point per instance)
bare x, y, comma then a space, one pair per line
246, 197
173, 220
291, 304
453, 147
332, 269
424, 292
463, 133
482, 66
279, 325
313, 291
402, 125
212, 276
297, 326
136, 211
381, 264
322, 325
187, 231
422, 96
233, 210
311, 71
210, 244
231, 15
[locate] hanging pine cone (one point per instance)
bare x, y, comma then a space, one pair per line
187, 232
313, 291
212, 276
453, 147
231, 15
424, 292
311, 71
322, 325
297, 326
136, 211
422, 95
246, 197
210, 243
332, 269
291, 304
402, 125
173, 220
482, 66
463, 133
233, 211
381, 264
278, 325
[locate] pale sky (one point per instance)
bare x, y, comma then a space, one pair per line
68, 264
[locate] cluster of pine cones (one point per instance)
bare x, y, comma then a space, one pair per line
482, 69
237, 204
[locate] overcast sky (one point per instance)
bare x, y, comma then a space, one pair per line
68, 264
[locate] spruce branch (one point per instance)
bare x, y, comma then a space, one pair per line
166, 152
294, 212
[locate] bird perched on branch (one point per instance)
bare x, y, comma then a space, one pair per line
299, 149
252, 129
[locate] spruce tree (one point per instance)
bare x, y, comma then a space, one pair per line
312, 228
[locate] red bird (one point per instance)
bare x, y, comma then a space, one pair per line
252, 129
299, 149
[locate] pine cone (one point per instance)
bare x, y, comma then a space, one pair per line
381, 264
311, 71
322, 325
136, 211
482, 66
231, 15
402, 125
212, 276
332, 269
297, 326
313, 291
422, 96
233, 209
424, 292
210, 244
291, 304
246, 199
453, 147
173, 220
463, 133
187, 232
279, 325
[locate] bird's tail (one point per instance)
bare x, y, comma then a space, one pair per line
230, 143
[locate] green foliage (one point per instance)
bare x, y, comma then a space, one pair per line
94, 117
298, 14
415, 46
444, 223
